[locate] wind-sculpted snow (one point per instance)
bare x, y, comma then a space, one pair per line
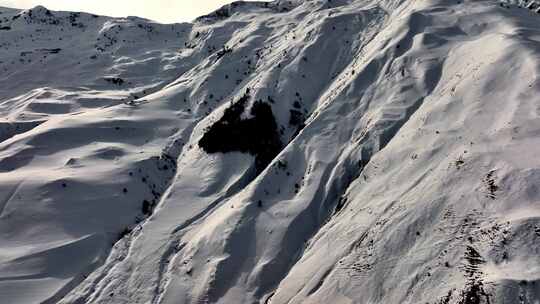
368, 151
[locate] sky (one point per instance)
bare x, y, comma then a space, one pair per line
165, 11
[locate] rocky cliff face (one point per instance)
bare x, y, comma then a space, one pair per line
368, 151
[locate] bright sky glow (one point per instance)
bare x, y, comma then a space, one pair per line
165, 11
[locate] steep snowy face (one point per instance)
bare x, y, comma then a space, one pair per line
368, 151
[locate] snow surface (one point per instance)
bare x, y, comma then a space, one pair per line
410, 172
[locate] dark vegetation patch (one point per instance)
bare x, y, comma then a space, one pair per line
257, 135
146, 207
474, 290
5, 28
296, 118
492, 188
115, 80
167, 166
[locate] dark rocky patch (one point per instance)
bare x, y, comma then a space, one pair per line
224, 51
51, 51
257, 135
459, 162
341, 203
446, 299
123, 233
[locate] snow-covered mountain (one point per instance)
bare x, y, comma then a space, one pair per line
324, 151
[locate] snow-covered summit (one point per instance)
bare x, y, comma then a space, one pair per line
343, 151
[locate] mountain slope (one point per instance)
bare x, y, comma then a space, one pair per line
379, 151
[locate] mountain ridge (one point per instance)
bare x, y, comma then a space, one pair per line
407, 172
